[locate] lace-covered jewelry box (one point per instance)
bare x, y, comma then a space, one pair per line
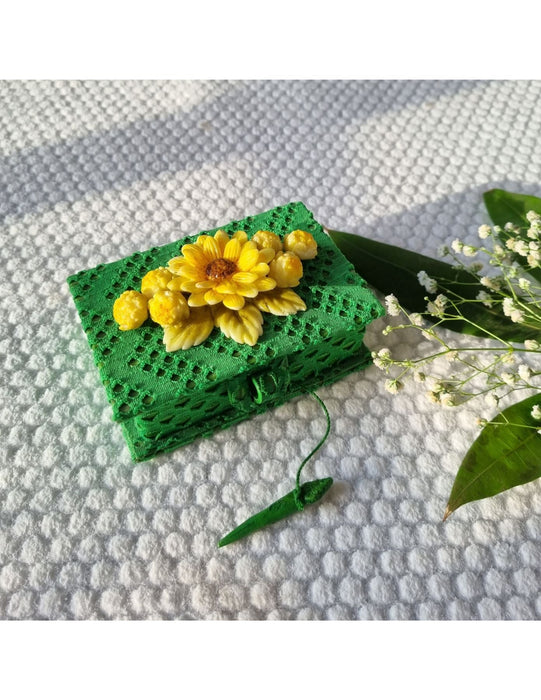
167, 399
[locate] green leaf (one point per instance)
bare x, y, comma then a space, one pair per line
510, 207
504, 455
393, 270
504, 207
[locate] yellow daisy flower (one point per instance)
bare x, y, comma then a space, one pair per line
218, 269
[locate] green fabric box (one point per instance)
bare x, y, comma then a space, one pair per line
165, 400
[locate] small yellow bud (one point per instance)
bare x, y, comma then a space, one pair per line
155, 281
168, 308
130, 310
302, 244
268, 239
286, 269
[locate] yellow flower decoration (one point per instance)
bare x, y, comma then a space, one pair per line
220, 281
217, 269
130, 310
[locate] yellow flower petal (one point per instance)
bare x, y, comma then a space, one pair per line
211, 249
244, 326
240, 236
232, 250
244, 277
267, 254
265, 284
227, 287
194, 255
222, 239
213, 297
261, 269
194, 331
280, 302
197, 299
248, 257
234, 301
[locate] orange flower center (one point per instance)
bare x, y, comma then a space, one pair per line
220, 268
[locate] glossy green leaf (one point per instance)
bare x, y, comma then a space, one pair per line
510, 207
393, 270
504, 455
504, 207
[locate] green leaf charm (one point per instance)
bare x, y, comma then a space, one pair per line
504, 455
393, 270
310, 492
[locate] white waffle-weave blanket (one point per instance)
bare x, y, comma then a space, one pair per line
90, 172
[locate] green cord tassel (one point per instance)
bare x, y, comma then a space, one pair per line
292, 502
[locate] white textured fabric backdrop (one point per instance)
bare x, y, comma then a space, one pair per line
93, 171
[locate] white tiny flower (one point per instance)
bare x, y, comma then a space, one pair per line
427, 282
498, 250
533, 245
469, 251
484, 231
511, 243
416, 319
507, 359
391, 302
524, 283
393, 386
491, 282
492, 399
524, 372
457, 245
510, 227
511, 310
447, 399
419, 377
532, 216
443, 250
475, 267
536, 412
485, 298
508, 378
432, 396
481, 421
522, 248
531, 345
533, 259
387, 330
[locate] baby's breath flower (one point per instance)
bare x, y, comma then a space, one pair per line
447, 399
475, 267
382, 358
531, 345
536, 412
457, 245
533, 259
427, 282
491, 282
492, 399
387, 330
524, 372
419, 376
532, 216
511, 244
485, 298
511, 310
508, 378
443, 250
432, 396
522, 248
510, 227
416, 319
393, 307
469, 251
484, 231
524, 283
393, 386
481, 421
